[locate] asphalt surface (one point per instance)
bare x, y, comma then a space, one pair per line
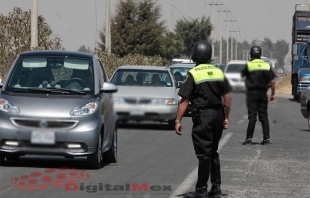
155, 162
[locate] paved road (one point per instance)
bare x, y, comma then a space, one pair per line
155, 162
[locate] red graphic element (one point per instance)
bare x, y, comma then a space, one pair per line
46, 178
63, 177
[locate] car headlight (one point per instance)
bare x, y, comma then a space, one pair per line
304, 78
8, 107
118, 100
163, 101
87, 109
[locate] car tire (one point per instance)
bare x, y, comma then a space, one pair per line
295, 84
94, 160
171, 124
2, 159
308, 119
12, 157
110, 156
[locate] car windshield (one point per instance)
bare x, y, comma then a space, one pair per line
31, 74
234, 68
180, 72
137, 77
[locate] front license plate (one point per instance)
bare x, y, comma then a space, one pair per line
136, 111
42, 137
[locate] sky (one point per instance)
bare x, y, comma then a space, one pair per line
78, 22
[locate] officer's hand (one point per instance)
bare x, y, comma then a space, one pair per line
225, 124
178, 128
272, 99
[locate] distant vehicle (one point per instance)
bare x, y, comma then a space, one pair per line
179, 61
305, 104
233, 74
222, 66
300, 51
151, 94
58, 103
183, 70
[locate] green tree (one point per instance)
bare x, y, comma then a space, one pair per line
193, 30
172, 46
135, 28
84, 49
15, 36
280, 50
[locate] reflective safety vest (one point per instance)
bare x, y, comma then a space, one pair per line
206, 73
258, 65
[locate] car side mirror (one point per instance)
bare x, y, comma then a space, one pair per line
179, 83
108, 87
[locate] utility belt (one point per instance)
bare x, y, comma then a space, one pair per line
196, 111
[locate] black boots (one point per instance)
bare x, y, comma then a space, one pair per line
200, 192
203, 177
265, 126
215, 191
250, 132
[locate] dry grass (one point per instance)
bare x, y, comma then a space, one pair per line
284, 85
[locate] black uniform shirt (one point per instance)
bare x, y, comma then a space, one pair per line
204, 95
258, 79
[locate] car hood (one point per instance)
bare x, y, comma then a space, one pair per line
233, 75
145, 92
46, 107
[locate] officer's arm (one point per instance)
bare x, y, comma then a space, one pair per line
227, 101
273, 90
182, 108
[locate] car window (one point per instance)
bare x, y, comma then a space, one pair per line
136, 77
104, 74
52, 72
234, 68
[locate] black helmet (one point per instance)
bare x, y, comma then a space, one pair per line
202, 51
256, 51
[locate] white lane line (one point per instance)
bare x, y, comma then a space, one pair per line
240, 121
5, 190
188, 183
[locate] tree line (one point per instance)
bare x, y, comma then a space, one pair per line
138, 35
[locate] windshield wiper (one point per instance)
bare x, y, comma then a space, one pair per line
54, 89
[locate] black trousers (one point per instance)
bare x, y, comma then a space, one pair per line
206, 137
257, 103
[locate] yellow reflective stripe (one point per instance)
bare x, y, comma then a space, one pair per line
258, 65
213, 73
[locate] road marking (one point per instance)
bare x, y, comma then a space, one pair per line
192, 177
5, 190
240, 121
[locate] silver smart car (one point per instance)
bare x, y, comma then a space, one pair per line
58, 103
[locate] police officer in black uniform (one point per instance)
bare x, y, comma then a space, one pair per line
205, 86
258, 75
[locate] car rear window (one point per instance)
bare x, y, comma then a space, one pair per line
234, 68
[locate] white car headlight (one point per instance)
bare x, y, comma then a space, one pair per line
163, 101
87, 109
305, 78
8, 107
118, 100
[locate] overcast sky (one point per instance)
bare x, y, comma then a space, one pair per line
77, 22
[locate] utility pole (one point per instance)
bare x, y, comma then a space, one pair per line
171, 16
221, 40
107, 27
189, 7
34, 24
212, 32
231, 53
227, 21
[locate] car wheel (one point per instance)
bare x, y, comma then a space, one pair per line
171, 124
295, 84
12, 157
309, 119
110, 156
2, 158
94, 160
